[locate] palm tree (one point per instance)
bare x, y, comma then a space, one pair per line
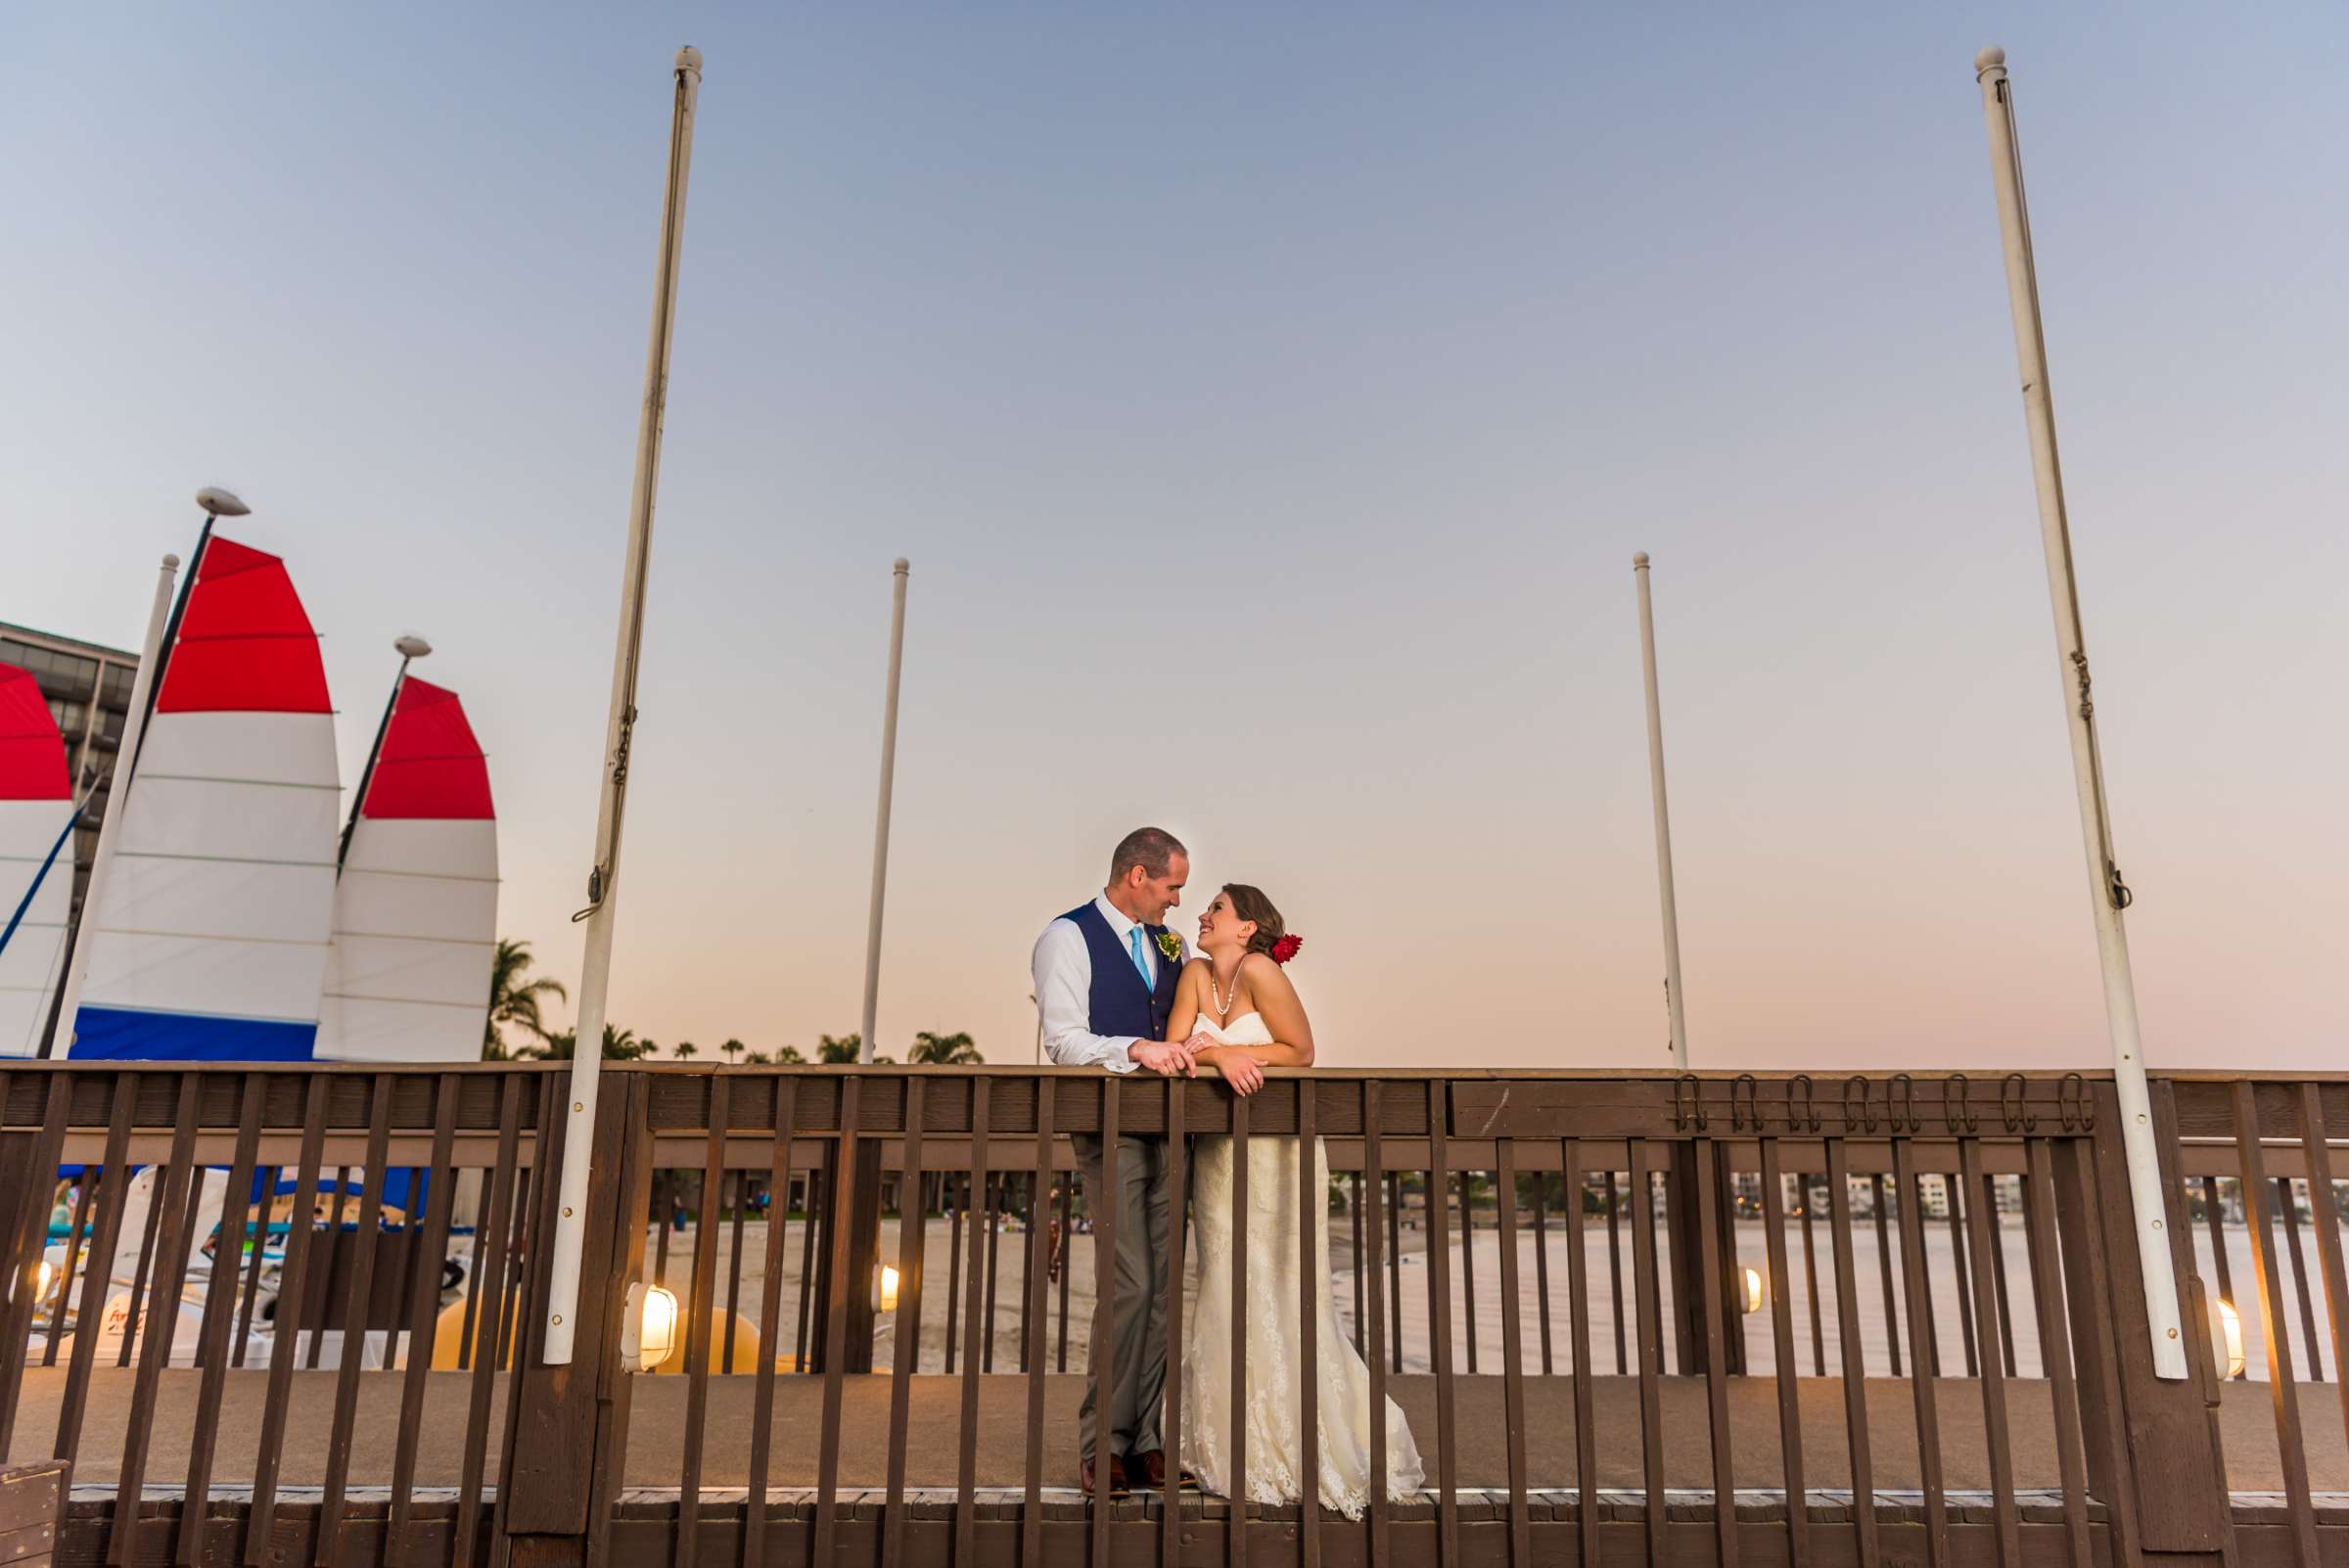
733, 1050
842, 1050
516, 1000
620, 1046
944, 1051
687, 1051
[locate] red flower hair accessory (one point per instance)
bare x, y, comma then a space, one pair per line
1286, 948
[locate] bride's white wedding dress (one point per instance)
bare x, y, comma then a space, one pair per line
1275, 1445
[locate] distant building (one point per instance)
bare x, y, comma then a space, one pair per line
89, 688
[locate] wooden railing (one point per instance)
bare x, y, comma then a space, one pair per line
274, 1314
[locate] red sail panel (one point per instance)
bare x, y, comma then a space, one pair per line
430, 765
33, 756
245, 643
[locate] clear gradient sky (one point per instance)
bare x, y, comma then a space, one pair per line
1271, 400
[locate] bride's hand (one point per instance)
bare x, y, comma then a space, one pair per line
1239, 1069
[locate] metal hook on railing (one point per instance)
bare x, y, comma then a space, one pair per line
1867, 1119
2018, 1115
1750, 1104
1807, 1118
1900, 1101
2072, 1104
1691, 1111
1955, 1107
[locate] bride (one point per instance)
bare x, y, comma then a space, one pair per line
1237, 1009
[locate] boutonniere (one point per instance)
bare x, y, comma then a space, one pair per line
1171, 946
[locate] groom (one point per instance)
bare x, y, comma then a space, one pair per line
1104, 985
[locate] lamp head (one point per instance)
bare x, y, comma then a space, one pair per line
411, 646
218, 502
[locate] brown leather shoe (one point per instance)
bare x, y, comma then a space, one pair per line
1151, 1465
1117, 1477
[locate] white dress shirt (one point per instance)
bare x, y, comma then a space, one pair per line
1063, 968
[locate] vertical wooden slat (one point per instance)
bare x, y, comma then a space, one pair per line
1030, 1190
1170, 1518
1577, 1328
1541, 1262
170, 1195
219, 1308
1708, 1197
2292, 1448
2325, 1212
1892, 1314
2213, 1212
139, 1298
25, 1249
701, 1314
841, 1243
1032, 1355
1105, 1299
1066, 1188
1651, 1347
1468, 1265
1962, 1269
1312, 1216
1354, 1212
986, 1339
259, 1218
426, 1247
1377, 1191
2288, 1205
666, 1204
966, 1508
804, 1327
356, 1324
907, 1358
1987, 1189
1782, 1330
1615, 1271
1989, 1312
958, 1202
734, 1220
1237, 1537
292, 1289
333, 1230
2089, 1287
1439, 1286
84, 1191
98, 1278
491, 1262
1928, 1418
1818, 1335
1854, 1358
1395, 1268
1513, 1354
2054, 1339
770, 1320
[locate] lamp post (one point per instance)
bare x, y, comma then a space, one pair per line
410, 648
2109, 895
603, 877
888, 774
1674, 1007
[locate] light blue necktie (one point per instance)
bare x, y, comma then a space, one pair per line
1141, 955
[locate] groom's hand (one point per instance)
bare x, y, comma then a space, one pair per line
1161, 1057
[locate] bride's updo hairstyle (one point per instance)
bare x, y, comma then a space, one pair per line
1271, 938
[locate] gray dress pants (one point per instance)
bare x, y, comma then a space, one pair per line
1135, 1379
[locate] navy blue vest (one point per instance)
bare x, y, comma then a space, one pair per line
1120, 1003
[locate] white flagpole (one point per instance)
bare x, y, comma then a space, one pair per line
110, 830
888, 774
603, 880
1674, 1006
2109, 895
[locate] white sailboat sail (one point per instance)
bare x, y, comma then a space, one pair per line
416, 909
210, 936
36, 801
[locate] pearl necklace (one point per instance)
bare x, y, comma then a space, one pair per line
1221, 1011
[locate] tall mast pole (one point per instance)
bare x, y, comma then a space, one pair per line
1675, 1006
888, 774
603, 879
161, 615
2109, 895
410, 649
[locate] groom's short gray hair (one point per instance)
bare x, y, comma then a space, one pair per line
1149, 848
